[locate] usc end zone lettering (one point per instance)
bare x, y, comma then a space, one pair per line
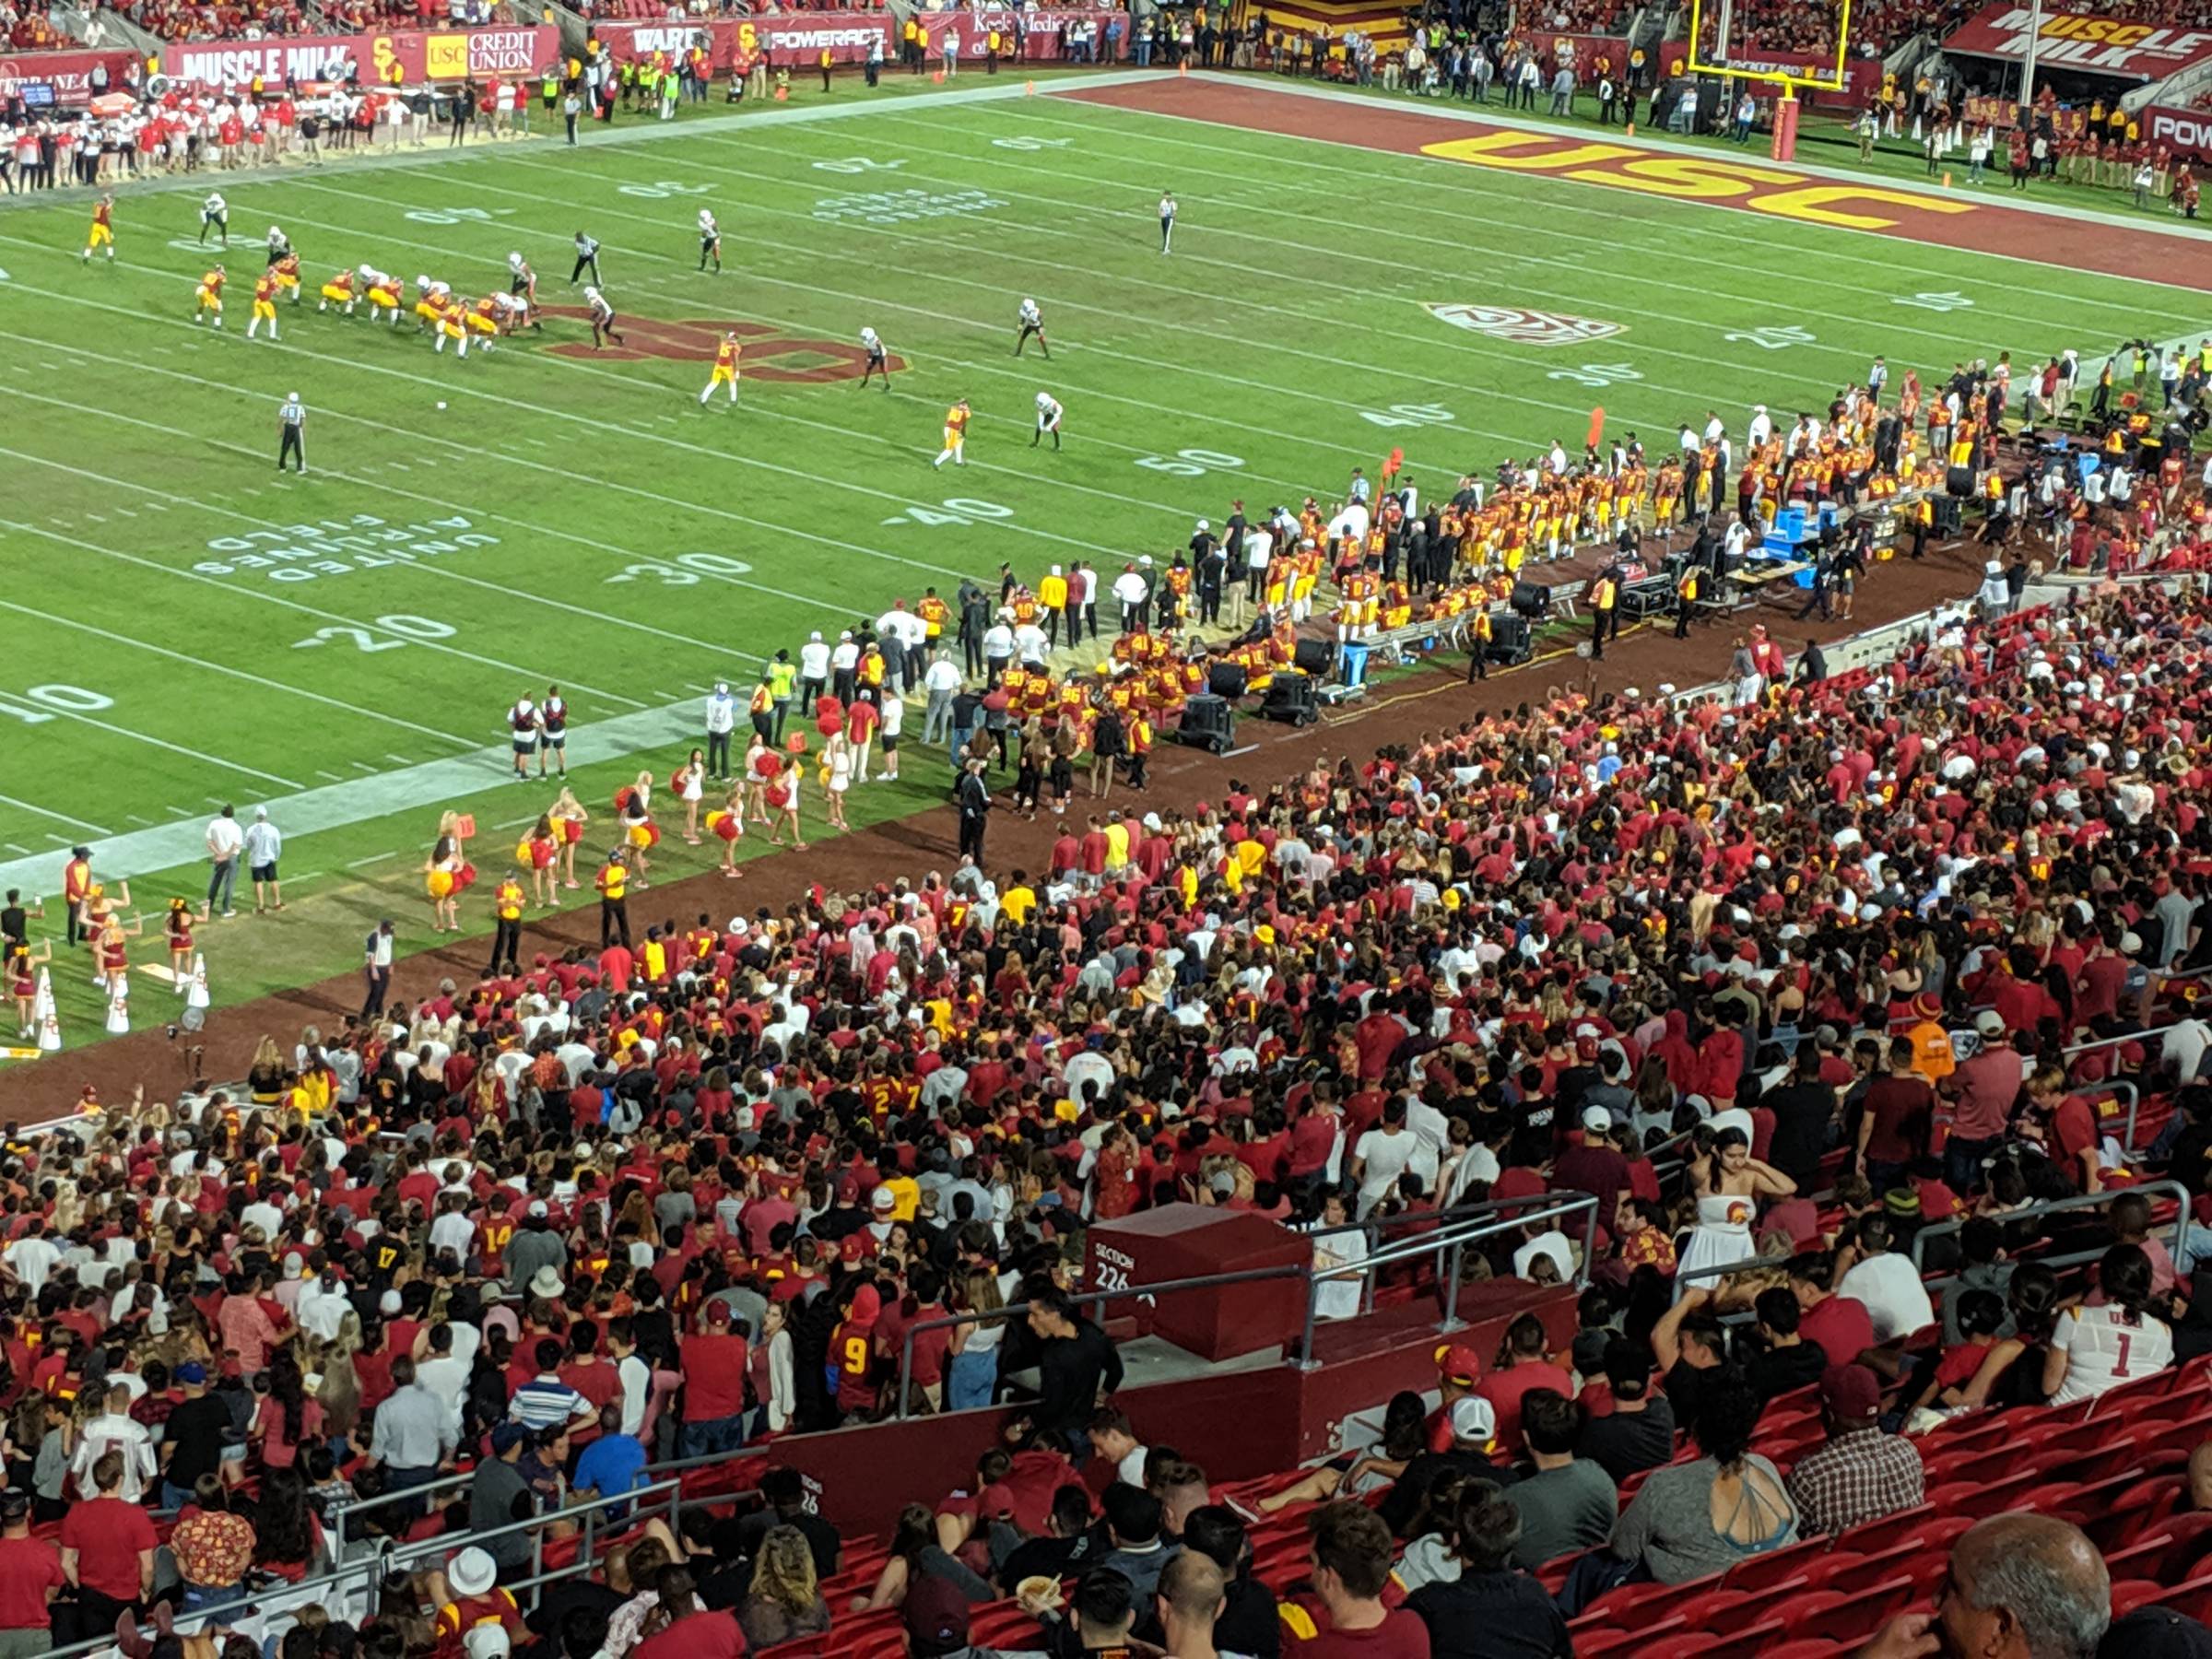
1692, 178
768, 356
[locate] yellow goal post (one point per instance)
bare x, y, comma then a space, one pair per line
1793, 79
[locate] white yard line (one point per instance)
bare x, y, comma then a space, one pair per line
59, 818
241, 673
266, 598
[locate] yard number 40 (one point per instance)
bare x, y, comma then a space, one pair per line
1408, 415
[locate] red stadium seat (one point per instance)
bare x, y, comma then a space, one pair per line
1777, 1568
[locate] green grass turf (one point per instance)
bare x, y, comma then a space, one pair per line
1823, 140
640, 546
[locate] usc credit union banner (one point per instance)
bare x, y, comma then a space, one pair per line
420, 55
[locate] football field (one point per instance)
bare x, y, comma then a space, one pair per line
182, 627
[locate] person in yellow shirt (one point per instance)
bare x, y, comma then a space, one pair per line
1117, 847
1051, 594
507, 942
1017, 900
613, 882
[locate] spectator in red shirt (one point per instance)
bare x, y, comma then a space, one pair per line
107, 1551
714, 1367
1523, 1365
1351, 1556
2070, 1132
30, 1571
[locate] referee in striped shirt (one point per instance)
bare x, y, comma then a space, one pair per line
291, 425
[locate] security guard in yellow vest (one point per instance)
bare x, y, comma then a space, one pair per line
1687, 592
1605, 595
783, 675
507, 942
613, 882
1478, 645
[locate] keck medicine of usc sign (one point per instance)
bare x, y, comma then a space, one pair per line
2073, 40
421, 56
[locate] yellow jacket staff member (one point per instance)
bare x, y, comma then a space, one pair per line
507, 939
613, 882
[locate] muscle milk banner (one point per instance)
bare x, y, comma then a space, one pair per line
2142, 51
420, 56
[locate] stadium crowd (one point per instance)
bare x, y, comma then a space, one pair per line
555, 1224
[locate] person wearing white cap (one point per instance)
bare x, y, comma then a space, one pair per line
721, 719
475, 1602
1761, 428
844, 667
814, 671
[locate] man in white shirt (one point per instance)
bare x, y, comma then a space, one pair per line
264, 845
941, 679
814, 671
721, 719
115, 1430
844, 667
1761, 428
322, 1305
1381, 1155
1890, 1285
32, 1258
1134, 593
226, 841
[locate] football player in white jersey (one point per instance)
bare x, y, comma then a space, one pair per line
1048, 419
1031, 321
878, 361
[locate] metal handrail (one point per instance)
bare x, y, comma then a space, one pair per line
2174, 1189
335, 1522
1479, 1219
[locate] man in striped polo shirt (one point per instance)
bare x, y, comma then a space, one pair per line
546, 1402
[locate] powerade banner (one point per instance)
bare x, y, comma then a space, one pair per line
419, 55
2141, 52
2188, 132
68, 73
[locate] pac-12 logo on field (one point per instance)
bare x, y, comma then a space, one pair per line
1524, 327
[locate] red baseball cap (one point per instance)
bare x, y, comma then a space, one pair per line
1458, 1363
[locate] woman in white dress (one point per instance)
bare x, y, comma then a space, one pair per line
1728, 1186
690, 789
836, 761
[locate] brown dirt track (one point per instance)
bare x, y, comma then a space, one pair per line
1427, 698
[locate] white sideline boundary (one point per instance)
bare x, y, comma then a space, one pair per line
336, 805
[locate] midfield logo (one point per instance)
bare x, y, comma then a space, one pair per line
1524, 327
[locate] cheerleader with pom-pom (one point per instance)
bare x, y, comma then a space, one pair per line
725, 823
690, 783
782, 794
441, 880
568, 818
633, 808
